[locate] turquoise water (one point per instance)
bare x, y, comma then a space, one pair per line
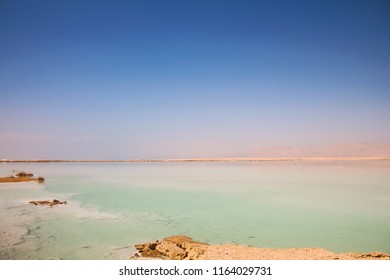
340, 206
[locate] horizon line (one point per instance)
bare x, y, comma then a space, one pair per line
219, 159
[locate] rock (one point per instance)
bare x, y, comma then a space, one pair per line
41, 180
374, 256
174, 248
47, 202
171, 251
148, 249
23, 174
178, 239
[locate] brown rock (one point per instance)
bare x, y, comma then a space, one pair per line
192, 248
23, 174
178, 239
174, 247
47, 202
148, 250
374, 256
171, 251
40, 180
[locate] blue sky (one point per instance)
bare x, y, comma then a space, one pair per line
161, 79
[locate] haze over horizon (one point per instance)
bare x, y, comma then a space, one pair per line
180, 79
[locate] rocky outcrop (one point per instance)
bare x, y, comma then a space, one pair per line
374, 256
55, 202
173, 248
184, 248
23, 174
40, 180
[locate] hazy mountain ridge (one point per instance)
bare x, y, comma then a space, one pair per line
350, 149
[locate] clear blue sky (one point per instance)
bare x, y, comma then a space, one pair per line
158, 79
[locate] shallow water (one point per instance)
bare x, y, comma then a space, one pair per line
340, 206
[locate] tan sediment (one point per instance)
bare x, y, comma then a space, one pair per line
16, 180
21, 177
184, 248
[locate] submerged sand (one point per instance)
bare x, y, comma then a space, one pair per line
19, 221
185, 248
14, 225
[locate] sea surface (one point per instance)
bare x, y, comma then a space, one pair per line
340, 205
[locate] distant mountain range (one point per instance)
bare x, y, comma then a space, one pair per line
350, 149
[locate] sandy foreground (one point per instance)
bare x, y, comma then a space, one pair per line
184, 248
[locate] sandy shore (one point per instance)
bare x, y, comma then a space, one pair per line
184, 248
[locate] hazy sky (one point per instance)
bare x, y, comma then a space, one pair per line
158, 79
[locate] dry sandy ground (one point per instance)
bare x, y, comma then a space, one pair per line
184, 248
236, 252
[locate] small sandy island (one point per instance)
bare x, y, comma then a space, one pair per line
21, 177
184, 248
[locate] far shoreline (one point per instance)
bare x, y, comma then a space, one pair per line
230, 159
